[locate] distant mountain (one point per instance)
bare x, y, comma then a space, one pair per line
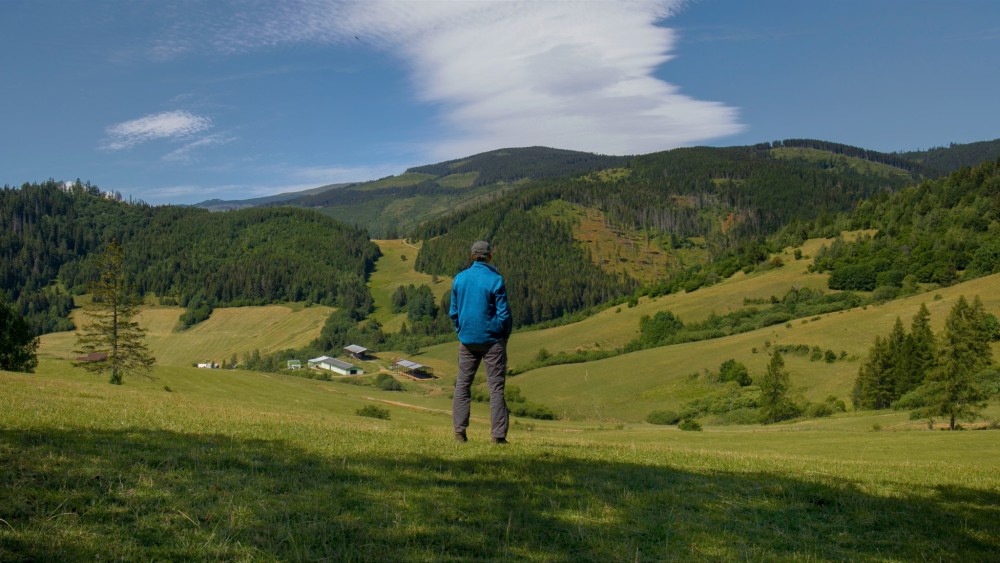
392, 206
229, 205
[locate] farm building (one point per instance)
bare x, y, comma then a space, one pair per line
413, 370
356, 352
294, 364
334, 365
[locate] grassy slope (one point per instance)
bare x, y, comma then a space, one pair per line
857, 164
616, 326
629, 386
391, 271
250, 466
229, 331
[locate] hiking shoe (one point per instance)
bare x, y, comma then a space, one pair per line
500, 441
461, 437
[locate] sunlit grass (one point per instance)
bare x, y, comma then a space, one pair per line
232, 465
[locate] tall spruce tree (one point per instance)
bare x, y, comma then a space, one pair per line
952, 389
919, 351
874, 387
113, 342
775, 405
896, 348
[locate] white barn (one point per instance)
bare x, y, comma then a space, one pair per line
334, 365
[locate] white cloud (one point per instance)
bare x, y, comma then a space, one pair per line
568, 74
185, 153
166, 125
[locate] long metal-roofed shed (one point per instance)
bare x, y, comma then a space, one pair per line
334, 365
414, 370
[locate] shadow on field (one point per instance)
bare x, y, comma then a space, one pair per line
86, 495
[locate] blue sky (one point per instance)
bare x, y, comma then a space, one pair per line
186, 100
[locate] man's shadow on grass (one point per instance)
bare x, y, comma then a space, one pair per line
138, 494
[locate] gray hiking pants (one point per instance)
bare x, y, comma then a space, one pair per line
495, 357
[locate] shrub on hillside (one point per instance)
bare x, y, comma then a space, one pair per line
828, 407
386, 382
667, 418
373, 411
690, 424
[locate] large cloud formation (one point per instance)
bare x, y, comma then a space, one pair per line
568, 74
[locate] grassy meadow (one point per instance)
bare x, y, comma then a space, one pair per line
393, 269
211, 465
236, 330
201, 465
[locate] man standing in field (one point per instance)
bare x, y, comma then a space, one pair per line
482, 320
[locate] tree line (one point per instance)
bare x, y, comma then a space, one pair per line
50, 234
938, 232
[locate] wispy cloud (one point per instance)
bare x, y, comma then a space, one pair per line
186, 153
570, 74
167, 125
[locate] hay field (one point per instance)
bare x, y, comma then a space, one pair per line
235, 330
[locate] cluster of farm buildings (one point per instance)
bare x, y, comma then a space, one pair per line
404, 367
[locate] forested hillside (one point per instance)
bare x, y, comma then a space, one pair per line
940, 161
936, 232
48, 233
729, 200
392, 206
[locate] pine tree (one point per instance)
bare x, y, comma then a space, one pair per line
952, 390
918, 352
874, 387
113, 341
896, 350
775, 405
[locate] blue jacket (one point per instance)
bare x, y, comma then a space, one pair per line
479, 305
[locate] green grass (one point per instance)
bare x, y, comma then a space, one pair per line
616, 326
249, 466
234, 330
629, 386
391, 271
224, 465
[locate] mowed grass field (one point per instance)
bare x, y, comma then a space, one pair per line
229, 465
237, 330
394, 269
629, 386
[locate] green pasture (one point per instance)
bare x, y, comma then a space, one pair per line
392, 271
616, 326
229, 465
629, 386
235, 330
